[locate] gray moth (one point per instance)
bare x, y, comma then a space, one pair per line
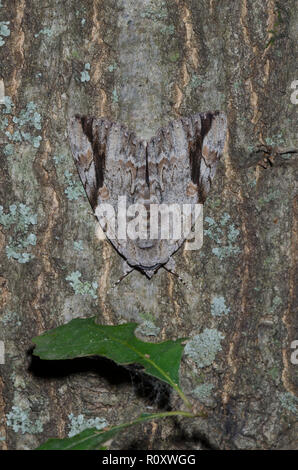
177, 165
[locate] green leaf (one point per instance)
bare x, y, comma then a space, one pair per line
86, 440
93, 439
83, 337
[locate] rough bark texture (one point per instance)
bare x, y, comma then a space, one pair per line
143, 63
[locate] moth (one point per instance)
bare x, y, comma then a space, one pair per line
177, 165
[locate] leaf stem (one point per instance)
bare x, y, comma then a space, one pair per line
150, 417
155, 416
161, 371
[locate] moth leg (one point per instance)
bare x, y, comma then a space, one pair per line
271, 153
263, 148
266, 162
126, 270
170, 267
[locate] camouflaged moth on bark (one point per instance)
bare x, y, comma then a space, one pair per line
175, 166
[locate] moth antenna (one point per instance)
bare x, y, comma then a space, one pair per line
119, 280
127, 270
93, 214
288, 150
179, 277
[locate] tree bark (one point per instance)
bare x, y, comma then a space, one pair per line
143, 63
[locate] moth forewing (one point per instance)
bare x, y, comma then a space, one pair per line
174, 168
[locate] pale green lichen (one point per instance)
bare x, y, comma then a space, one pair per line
19, 219
269, 197
147, 316
8, 150
59, 158
210, 221
11, 317
218, 306
7, 101
112, 67
289, 402
80, 423
216, 232
195, 81
80, 287
46, 32
233, 233
20, 215
15, 250
225, 218
74, 189
203, 392
203, 347
167, 29
78, 245
2, 438
155, 12
238, 85
85, 77
18, 419
82, 10
276, 301
225, 251
4, 31
23, 124
75, 54
115, 97
275, 140
274, 373
3, 122
29, 115
147, 328
174, 56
